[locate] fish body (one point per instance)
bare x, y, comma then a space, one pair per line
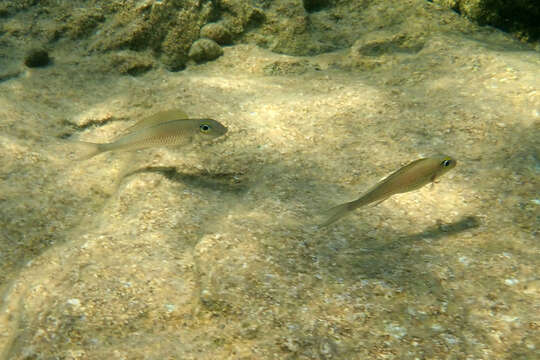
410, 177
160, 130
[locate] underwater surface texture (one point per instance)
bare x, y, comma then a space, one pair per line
212, 250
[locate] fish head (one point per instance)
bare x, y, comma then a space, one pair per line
443, 165
209, 128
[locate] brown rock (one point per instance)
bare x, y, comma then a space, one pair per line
205, 50
217, 32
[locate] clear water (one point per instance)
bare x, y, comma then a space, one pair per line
211, 251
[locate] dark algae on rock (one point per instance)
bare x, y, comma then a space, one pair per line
205, 50
37, 58
519, 17
173, 32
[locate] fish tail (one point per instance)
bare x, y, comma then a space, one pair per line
87, 150
337, 212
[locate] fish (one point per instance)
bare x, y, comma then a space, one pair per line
410, 177
166, 128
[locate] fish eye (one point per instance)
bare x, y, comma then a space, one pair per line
204, 127
446, 162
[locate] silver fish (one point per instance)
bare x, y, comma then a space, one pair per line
161, 129
410, 177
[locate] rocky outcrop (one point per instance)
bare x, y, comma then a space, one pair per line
170, 30
520, 17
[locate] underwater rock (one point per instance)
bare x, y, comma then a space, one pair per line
381, 43
8, 8
519, 17
380, 48
217, 32
306, 28
315, 5
167, 29
83, 22
132, 63
37, 58
289, 67
205, 50
178, 40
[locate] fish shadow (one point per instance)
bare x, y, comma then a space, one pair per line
223, 182
441, 230
435, 232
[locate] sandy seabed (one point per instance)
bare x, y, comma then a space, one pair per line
211, 251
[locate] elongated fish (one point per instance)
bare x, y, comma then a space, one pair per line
410, 177
167, 128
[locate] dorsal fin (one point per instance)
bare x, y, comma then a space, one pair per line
158, 118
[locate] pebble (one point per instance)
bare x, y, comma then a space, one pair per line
74, 302
511, 282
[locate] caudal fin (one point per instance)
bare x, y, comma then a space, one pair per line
336, 213
85, 150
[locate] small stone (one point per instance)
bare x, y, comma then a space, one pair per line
216, 32
205, 50
511, 282
74, 302
396, 331
37, 58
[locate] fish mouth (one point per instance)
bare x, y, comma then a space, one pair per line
224, 130
219, 139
